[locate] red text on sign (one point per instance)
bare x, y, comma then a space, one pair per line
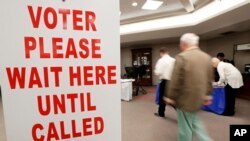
30, 78
57, 104
92, 75
57, 131
52, 18
62, 48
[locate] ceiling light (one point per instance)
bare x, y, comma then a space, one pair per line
152, 5
210, 11
120, 13
134, 4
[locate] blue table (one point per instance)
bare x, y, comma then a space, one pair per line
218, 103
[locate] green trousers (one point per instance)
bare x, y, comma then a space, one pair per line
189, 125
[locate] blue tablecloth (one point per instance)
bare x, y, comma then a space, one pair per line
218, 103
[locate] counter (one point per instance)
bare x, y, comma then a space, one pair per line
244, 92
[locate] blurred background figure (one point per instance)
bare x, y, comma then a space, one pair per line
190, 87
232, 78
221, 56
163, 70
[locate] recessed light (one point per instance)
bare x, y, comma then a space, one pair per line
152, 5
134, 4
206, 13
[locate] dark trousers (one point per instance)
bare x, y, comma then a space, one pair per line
230, 100
162, 105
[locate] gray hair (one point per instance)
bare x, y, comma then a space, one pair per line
190, 39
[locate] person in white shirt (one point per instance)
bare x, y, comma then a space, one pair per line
232, 78
163, 70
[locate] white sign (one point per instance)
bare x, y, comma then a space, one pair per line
59, 68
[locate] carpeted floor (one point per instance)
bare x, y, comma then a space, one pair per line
139, 123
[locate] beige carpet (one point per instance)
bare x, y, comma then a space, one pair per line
139, 123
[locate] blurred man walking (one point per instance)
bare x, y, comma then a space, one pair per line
163, 70
190, 87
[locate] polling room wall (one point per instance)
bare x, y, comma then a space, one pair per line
212, 46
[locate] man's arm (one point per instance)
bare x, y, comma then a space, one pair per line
158, 68
221, 72
176, 81
210, 80
208, 97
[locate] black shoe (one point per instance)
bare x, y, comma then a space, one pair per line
156, 114
229, 114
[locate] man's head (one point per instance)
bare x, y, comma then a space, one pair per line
189, 40
215, 62
221, 56
163, 51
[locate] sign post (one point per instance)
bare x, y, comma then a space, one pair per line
60, 70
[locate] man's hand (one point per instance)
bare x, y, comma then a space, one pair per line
207, 100
218, 84
169, 101
215, 83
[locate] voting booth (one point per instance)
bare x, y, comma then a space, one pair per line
59, 68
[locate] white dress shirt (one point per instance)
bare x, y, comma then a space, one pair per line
229, 75
164, 67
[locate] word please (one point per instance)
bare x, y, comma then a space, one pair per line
60, 48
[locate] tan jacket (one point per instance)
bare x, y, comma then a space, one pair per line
191, 80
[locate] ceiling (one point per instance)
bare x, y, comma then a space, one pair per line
131, 14
236, 19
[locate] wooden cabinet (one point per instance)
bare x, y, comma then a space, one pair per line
244, 92
143, 57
